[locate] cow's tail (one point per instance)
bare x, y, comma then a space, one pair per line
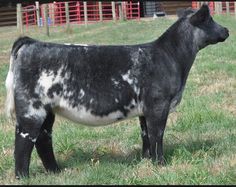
10, 103
9, 83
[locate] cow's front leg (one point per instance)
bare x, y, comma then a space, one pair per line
156, 117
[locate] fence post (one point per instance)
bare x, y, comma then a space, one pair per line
53, 13
19, 19
37, 12
85, 14
216, 7
100, 10
219, 4
67, 17
113, 10
211, 7
121, 16
227, 7
235, 9
124, 9
45, 10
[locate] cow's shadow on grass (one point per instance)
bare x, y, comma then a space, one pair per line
133, 157
80, 156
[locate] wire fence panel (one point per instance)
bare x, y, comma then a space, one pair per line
57, 12
217, 7
29, 15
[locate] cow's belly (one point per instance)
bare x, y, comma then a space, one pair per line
84, 116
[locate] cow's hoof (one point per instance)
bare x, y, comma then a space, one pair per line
54, 170
146, 154
18, 177
161, 162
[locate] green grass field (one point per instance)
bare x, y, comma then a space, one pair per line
200, 137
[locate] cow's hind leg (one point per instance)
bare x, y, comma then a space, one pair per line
145, 139
44, 144
27, 131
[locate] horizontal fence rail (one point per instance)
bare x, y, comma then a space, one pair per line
217, 7
29, 15
86, 12
79, 12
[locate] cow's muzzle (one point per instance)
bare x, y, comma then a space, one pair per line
224, 34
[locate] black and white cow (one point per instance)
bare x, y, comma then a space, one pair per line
98, 85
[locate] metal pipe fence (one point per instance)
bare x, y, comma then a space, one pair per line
218, 7
77, 15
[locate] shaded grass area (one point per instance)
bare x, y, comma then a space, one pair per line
200, 138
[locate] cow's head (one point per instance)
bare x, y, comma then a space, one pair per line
206, 30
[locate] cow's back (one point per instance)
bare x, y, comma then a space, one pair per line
83, 83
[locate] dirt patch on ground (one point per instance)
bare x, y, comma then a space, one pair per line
222, 164
224, 83
172, 118
176, 168
220, 83
229, 105
4, 58
144, 169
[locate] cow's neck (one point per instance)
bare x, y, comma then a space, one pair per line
178, 43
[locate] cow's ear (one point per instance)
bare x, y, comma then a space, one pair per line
181, 12
200, 16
